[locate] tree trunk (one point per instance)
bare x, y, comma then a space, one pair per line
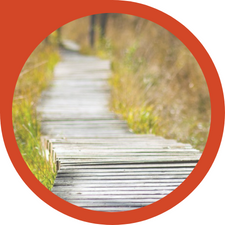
92, 30
103, 23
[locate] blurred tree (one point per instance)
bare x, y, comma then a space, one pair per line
92, 30
103, 22
59, 36
48, 40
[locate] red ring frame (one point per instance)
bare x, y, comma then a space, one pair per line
32, 32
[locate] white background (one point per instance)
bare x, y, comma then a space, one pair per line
206, 205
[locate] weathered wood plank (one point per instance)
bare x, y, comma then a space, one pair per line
126, 160
107, 155
112, 189
117, 198
111, 209
144, 182
121, 174
154, 147
97, 171
133, 165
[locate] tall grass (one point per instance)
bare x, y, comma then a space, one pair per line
35, 77
157, 85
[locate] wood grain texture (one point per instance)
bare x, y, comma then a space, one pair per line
103, 166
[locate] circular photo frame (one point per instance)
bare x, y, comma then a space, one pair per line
46, 25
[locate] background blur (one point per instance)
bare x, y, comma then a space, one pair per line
157, 85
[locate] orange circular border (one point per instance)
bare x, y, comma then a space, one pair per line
39, 25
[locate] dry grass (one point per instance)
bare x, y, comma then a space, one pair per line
35, 77
157, 85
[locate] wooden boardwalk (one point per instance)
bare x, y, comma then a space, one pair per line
104, 166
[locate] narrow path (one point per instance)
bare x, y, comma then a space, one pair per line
104, 166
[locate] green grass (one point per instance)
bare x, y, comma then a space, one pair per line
34, 78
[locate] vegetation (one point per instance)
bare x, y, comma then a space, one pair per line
157, 85
35, 76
